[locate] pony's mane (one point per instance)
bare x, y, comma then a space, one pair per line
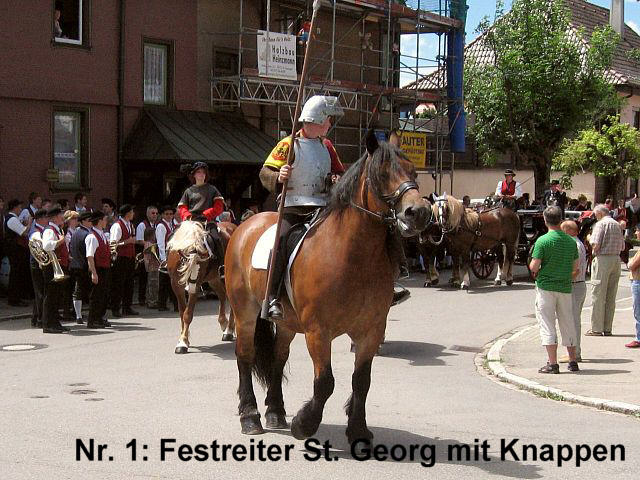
188, 238
343, 191
458, 214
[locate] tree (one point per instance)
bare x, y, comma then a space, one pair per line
541, 84
611, 150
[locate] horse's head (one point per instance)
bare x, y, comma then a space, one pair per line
391, 178
448, 212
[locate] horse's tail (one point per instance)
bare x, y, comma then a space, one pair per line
264, 341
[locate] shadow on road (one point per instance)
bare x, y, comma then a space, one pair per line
601, 372
390, 437
607, 360
225, 351
420, 354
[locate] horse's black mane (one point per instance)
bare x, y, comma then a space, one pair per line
378, 175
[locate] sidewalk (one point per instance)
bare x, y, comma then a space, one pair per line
609, 375
8, 312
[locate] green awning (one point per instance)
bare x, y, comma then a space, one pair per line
189, 136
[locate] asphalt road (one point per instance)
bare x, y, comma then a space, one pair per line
425, 391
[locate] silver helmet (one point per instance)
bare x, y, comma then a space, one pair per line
319, 107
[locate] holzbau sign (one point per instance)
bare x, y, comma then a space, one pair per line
278, 59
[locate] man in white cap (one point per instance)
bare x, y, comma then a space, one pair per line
315, 163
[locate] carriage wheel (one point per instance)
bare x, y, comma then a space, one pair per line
483, 263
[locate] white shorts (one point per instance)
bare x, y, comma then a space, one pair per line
552, 305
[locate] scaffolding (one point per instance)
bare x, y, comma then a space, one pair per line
383, 103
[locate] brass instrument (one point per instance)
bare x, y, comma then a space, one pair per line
152, 249
45, 258
113, 248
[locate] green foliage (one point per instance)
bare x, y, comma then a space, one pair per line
612, 150
539, 87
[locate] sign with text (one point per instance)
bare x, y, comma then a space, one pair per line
277, 56
414, 146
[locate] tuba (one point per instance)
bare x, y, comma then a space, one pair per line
45, 258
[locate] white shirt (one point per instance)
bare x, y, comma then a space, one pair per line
91, 242
115, 234
518, 192
50, 237
161, 232
15, 224
67, 237
26, 213
140, 231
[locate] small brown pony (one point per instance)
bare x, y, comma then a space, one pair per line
341, 284
466, 231
189, 266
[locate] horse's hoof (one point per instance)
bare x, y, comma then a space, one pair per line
227, 337
182, 350
427, 284
509, 282
464, 287
435, 282
275, 421
298, 431
250, 424
497, 283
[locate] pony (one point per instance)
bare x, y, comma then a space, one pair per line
341, 285
189, 266
467, 231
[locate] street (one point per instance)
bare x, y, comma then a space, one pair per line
125, 388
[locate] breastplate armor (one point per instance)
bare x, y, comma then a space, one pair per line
310, 169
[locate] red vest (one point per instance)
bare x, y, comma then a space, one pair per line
508, 189
168, 229
129, 250
62, 252
102, 257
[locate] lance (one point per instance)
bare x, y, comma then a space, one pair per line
264, 313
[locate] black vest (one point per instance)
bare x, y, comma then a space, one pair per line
78, 249
9, 235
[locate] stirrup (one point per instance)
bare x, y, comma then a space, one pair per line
404, 272
275, 311
221, 272
163, 268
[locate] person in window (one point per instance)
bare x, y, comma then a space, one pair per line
57, 30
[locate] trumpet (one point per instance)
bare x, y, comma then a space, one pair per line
113, 248
152, 249
45, 258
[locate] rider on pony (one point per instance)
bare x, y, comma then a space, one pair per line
202, 202
315, 166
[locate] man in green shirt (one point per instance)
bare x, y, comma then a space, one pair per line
555, 263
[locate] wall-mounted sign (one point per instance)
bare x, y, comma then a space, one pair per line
278, 58
414, 145
53, 175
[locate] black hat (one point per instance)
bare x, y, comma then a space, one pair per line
555, 182
508, 171
86, 215
40, 213
97, 216
53, 211
168, 207
198, 165
124, 209
109, 202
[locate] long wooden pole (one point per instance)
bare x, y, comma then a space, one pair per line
264, 313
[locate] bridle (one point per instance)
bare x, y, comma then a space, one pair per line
389, 217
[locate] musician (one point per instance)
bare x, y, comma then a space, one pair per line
35, 203
15, 245
123, 234
149, 223
508, 190
78, 267
99, 264
316, 160
70, 226
164, 229
53, 243
41, 220
109, 209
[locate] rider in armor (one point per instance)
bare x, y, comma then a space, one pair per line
508, 190
202, 202
315, 165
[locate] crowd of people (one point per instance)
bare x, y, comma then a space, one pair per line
98, 253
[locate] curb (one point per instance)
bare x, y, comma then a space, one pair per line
18, 316
496, 367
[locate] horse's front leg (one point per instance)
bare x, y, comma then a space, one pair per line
246, 356
308, 418
186, 316
455, 271
225, 323
275, 415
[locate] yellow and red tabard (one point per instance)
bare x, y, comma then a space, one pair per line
278, 156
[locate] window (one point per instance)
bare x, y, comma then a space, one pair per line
70, 25
636, 120
156, 58
69, 148
225, 64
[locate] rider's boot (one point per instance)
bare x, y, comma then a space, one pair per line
275, 306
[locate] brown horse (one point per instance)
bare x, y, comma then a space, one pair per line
341, 284
189, 266
466, 231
